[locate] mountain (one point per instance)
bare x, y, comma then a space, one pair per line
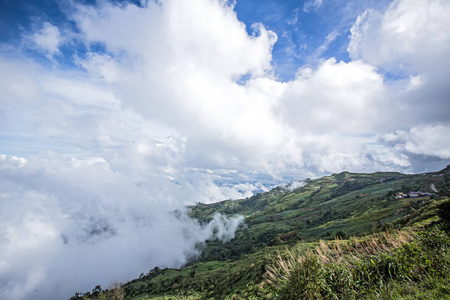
297, 217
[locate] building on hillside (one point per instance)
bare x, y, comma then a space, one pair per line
413, 194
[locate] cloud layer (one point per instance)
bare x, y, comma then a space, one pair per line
132, 112
69, 225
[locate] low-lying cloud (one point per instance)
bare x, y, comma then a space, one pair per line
224, 228
68, 226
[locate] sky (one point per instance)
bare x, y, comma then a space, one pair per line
114, 114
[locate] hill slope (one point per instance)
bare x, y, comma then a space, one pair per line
342, 205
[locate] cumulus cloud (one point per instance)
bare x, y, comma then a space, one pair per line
168, 74
408, 40
338, 96
408, 36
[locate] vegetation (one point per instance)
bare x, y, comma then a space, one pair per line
374, 268
343, 236
115, 291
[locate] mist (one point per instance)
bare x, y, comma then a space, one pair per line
68, 226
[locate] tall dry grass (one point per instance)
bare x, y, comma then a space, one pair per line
349, 269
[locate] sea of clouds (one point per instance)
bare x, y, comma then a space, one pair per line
68, 226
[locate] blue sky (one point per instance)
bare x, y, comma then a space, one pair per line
113, 113
302, 26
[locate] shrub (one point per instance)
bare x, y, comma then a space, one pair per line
297, 276
345, 270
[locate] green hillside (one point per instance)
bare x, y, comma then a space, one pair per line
285, 223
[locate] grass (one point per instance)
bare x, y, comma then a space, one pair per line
404, 264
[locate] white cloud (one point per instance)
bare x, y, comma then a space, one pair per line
312, 5
225, 227
295, 185
182, 72
180, 36
82, 217
428, 140
47, 40
410, 35
410, 41
102, 66
338, 97
79, 92
18, 83
329, 39
167, 74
